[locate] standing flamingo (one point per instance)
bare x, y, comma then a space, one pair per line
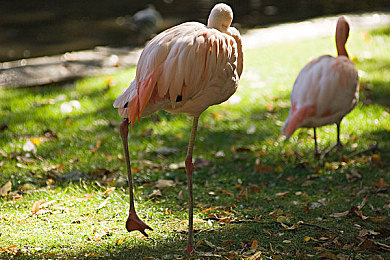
326, 89
184, 69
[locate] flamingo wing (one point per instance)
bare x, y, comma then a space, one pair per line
325, 90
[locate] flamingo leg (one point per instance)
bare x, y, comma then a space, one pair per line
133, 221
189, 171
338, 144
317, 153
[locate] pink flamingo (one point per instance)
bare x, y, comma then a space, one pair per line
326, 89
184, 69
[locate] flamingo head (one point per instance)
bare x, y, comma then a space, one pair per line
221, 17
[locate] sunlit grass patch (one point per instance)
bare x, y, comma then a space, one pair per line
248, 179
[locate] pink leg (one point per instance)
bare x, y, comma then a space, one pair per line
189, 170
133, 222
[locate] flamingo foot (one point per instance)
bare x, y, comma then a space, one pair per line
189, 250
339, 146
135, 223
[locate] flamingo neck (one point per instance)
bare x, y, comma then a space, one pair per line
342, 32
341, 51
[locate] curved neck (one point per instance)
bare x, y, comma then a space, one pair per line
341, 51
342, 32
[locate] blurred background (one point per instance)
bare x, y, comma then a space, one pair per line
48, 27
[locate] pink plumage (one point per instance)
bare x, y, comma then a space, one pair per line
326, 89
184, 69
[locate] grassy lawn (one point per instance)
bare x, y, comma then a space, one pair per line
253, 189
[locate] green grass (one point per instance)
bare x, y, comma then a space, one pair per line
246, 132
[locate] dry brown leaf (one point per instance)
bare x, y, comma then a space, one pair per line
294, 226
280, 195
376, 160
87, 197
256, 256
378, 219
120, 240
6, 189
8, 249
35, 207
97, 146
358, 212
254, 188
380, 183
209, 209
154, 194
274, 214
227, 193
254, 244
243, 193
262, 168
49, 181
366, 232
371, 244
162, 184
198, 243
109, 190
342, 214
307, 239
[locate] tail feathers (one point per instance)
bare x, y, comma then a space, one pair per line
126, 96
296, 118
127, 102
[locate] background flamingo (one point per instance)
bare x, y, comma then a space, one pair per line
326, 89
184, 69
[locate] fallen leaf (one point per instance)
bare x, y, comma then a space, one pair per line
227, 193
154, 194
35, 141
180, 195
6, 189
254, 244
8, 249
109, 190
162, 184
101, 205
243, 193
380, 183
274, 214
342, 214
293, 227
366, 232
209, 209
307, 239
49, 181
261, 168
198, 243
87, 197
376, 160
200, 162
29, 147
35, 207
378, 219
371, 244
120, 241
97, 146
256, 256
280, 195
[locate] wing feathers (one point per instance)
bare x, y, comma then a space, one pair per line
180, 61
